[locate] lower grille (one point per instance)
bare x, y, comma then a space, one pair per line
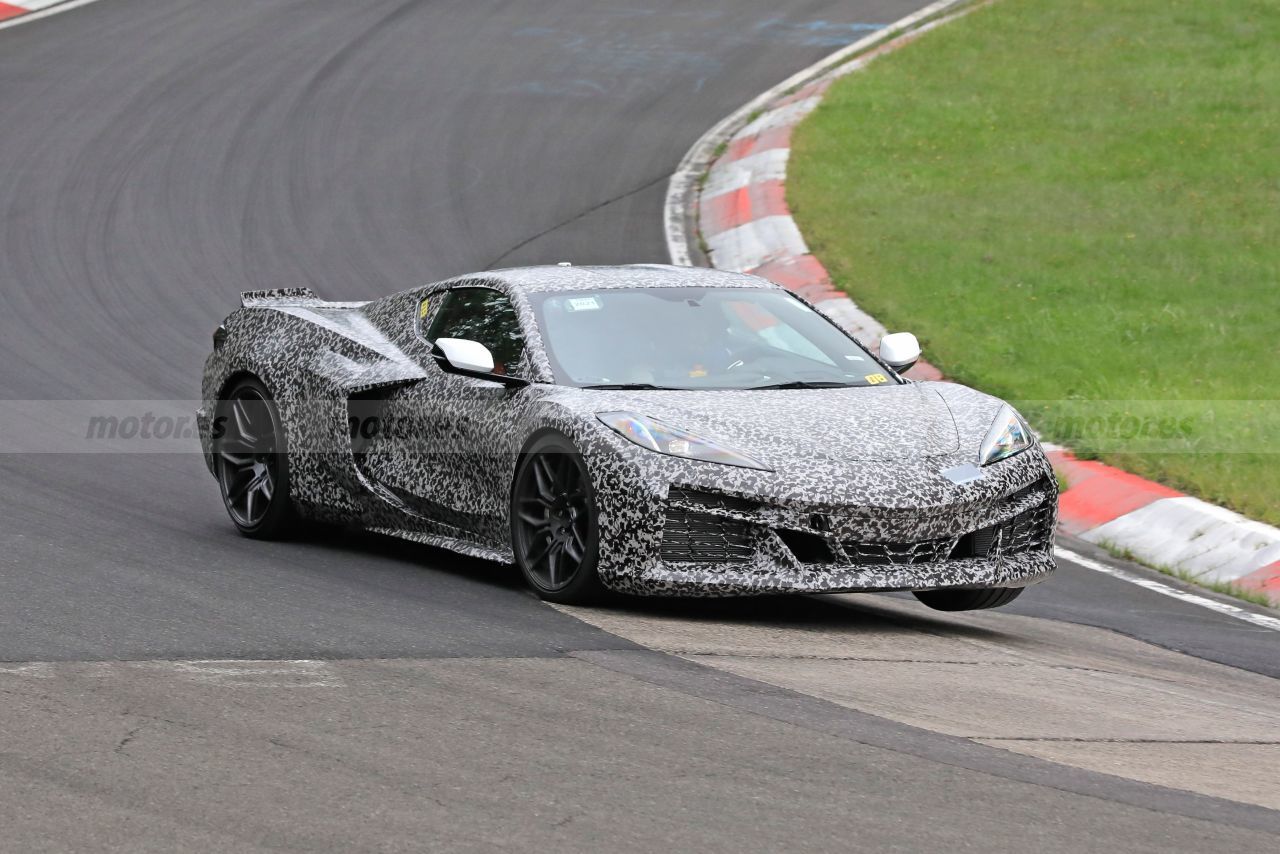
1029, 530
697, 530
690, 535
897, 554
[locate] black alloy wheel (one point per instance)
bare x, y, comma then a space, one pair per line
554, 531
250, 461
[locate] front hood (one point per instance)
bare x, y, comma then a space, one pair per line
782, 427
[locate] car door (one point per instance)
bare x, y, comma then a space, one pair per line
461, 426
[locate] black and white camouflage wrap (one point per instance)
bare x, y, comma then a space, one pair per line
852, 469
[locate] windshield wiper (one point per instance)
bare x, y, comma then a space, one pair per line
805, 384
629, 386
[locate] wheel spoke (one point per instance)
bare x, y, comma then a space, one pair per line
572, 549
240, 461
237, 487
538, 500
232, 442
537, 556
244, 426
249, 487
539, 523
553, 563
544, 476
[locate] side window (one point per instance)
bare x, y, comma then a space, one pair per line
484, 315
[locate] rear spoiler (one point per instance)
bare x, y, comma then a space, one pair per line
278, 296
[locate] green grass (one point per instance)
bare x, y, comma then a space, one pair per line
1226, 588
1074, 201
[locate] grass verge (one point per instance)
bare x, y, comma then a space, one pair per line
1226, 588
1076, 205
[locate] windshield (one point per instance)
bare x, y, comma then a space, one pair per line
697, 338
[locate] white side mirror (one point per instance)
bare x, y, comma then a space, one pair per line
466, 355
900, 350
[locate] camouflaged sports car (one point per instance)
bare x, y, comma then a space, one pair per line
646, 429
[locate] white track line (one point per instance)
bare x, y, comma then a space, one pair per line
1261, 620
44, 13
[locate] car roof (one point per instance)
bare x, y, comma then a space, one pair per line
568, 278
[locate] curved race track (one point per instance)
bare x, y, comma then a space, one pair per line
160, 158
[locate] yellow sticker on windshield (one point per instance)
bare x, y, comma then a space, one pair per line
422, 309
876, 379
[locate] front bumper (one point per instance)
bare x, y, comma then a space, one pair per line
670, 579
716, 543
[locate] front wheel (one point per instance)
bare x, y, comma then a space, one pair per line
968, 600
554, 525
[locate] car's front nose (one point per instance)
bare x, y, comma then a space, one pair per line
710, 530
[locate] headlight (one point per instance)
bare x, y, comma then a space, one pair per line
656, 436
1009, 435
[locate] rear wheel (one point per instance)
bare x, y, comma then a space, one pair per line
968, 600
251, 462
554, 526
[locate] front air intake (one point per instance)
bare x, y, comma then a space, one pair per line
694, 536
1029, 530
807, 547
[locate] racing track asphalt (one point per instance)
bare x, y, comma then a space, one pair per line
159, 159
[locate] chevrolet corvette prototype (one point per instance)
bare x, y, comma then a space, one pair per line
644, 429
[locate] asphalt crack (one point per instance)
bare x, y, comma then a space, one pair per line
580, 215
128, 738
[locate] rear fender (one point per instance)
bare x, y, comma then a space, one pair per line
313, 356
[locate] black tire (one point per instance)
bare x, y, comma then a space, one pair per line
968, 600
251, 461
555, 532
